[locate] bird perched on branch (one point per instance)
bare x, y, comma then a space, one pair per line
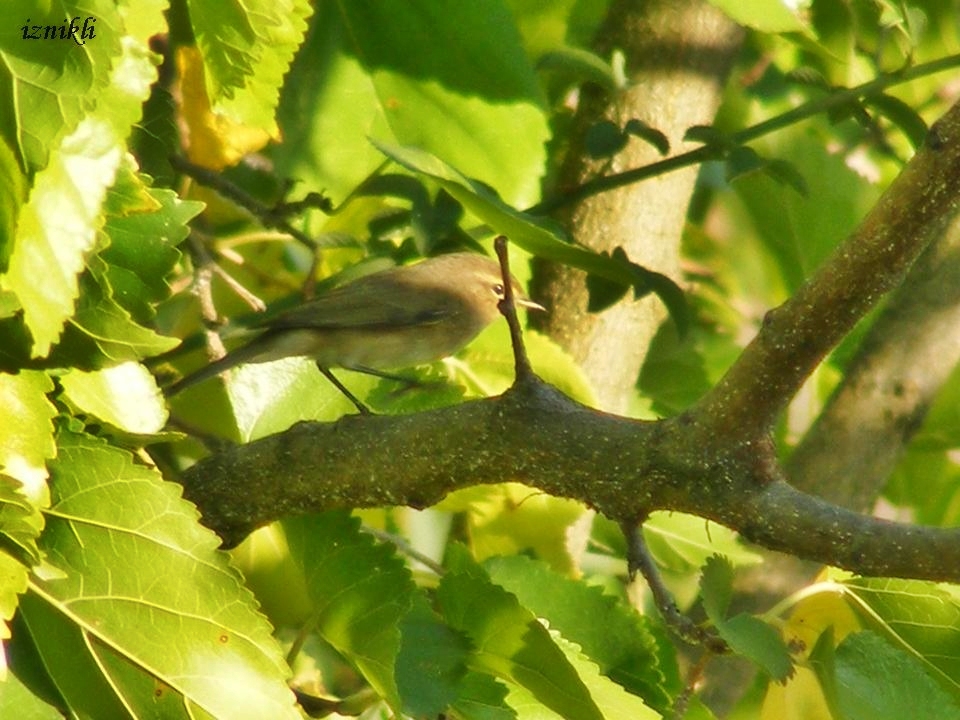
396, 318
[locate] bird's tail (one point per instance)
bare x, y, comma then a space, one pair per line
241, 355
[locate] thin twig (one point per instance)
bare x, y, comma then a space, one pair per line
705, 153
268, 216
682, 701
407, 549
507, 306
639, 559
253, 301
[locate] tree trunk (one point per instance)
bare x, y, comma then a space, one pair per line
678, 55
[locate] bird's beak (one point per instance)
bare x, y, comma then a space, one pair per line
529, 304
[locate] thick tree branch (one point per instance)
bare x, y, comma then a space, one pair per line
910, 351
715, 460
797, 335
536, 435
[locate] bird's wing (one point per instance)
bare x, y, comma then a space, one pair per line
358, 305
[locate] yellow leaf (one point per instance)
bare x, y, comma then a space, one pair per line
211, 139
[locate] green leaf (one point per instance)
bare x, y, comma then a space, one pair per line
878, 681
612, 700
490, 364
483, 697
708, 135
786, 173
102, 332
577, 65
616, 638
125, 396
716, 587
536, 237
918, 617
144, 226
603, 293
682, 542
649, 134
767, 16
247, 50
360, 591
800, 231
747, 635
448, 78
47, 86
25, 446
604, 139
902, 115
13, 193
148, 617
19, 700
431, 665
823, 661
742, 160
511, 645
259, 399
20, 525
59, 224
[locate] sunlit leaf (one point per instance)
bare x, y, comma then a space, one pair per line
125, 395
174, 627
617, 638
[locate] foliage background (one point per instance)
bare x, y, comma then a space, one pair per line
117, 601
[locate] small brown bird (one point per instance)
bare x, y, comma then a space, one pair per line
391, 319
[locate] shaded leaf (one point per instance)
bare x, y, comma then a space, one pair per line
742, 160
787, 173
747, 635
708, 135
604, 139
902, 115
650, 134
604, 293
431, 664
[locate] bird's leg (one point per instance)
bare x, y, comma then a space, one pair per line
364, 410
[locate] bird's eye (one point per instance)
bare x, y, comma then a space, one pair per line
498, 290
